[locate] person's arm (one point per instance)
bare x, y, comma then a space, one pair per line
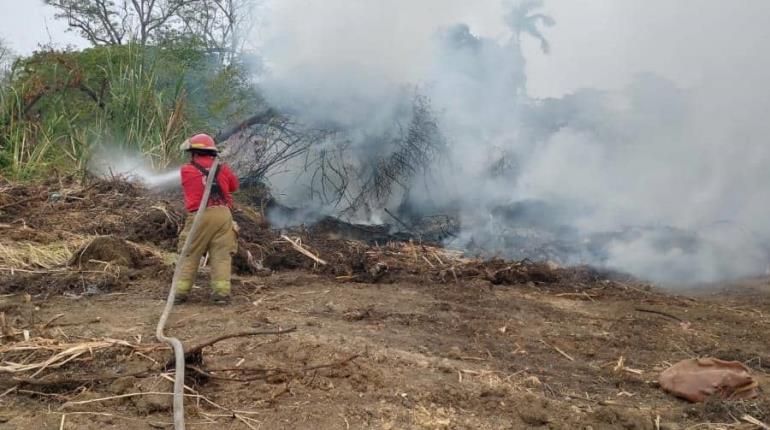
187, 173
232, 180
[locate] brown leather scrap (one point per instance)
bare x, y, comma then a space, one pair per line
698, 379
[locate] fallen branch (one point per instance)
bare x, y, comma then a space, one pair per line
96, 320
751, 420
260, 118
656, 312
212, 341
621, 365
403, 224
122, 396
50, 321
440, 262
196, 349
303, 251
210, 375
248, 369
9, 391
567, 356
243, 420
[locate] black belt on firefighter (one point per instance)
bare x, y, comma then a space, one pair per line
217, 197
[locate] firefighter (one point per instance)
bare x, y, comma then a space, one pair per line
217, 232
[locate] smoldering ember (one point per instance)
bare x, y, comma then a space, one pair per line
428, 214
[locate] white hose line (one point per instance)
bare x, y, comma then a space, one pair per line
174, 342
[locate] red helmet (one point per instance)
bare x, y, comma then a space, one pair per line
201, 142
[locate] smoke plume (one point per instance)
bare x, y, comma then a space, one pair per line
660, 174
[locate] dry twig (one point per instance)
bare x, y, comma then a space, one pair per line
567, 356
298, 246
657, 312
196, 348
69, 352
751, 420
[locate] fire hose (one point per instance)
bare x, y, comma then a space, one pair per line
176, 344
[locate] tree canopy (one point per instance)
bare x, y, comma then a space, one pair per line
217, 26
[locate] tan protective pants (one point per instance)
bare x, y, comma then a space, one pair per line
216, 236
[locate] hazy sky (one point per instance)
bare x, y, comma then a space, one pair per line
596, 43
24, 24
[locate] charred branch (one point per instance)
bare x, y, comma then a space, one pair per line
258, 119
412, 152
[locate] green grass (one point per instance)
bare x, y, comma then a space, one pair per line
59, 108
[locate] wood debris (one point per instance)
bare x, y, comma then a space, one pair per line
297, 244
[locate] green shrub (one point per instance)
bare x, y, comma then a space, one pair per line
57, 108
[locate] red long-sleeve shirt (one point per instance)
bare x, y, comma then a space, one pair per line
194, 183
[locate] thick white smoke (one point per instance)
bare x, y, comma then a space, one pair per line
664, 175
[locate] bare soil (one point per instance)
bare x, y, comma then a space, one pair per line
398, 336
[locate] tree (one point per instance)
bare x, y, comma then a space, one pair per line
522, 20
115, 22
220, 25
6, 57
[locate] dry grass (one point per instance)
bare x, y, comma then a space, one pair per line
23, 255
27, 255
59, 354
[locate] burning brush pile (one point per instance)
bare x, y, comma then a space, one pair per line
82, 239
382, 254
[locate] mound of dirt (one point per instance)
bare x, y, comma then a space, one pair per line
73, 282
110, 250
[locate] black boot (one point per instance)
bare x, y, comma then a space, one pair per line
220, 299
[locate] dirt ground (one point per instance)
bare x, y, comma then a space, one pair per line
393, 337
